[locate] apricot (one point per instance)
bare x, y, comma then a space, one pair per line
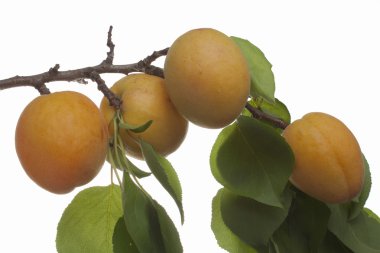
207, 77
61, 140
328, 160
145, 98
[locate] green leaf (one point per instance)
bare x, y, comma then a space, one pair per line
311, 216
288, 239
135, 129
262, 78
358, 203
331, 244
224, 236
360, 234
253, 222
147, 222
122, 241
305, 226
169, 233
371, 214
136, 171
165, 174
88, 223
251, 159
141, 218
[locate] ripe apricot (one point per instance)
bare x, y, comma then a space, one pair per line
61, 140
328, 159
207, 77
145, 98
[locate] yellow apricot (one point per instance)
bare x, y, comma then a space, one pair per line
207, 77
61, 140
328, 160
145, 98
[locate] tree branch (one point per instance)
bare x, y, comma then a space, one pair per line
54, 74
93, 73
43, 89
111, 45
112, 98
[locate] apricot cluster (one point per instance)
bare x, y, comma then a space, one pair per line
206, 82
62, 138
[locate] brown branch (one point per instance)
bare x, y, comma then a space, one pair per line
54, 74
112, 98
76, 74
151, 58
111, 45
93, 73
42, 89
260, 115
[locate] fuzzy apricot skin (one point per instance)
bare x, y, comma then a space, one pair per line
61, 141
328, 160
207, 77
145, 98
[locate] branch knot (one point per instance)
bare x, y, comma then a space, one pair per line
54, 70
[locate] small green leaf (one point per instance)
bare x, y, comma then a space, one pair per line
360, 234
122, 241
88, 223
358, 203
371, 214
262, 78
253, 222
135, 129
147, 222
224, 236
251, 159
123, 163
165, 174
277, 109
135, 170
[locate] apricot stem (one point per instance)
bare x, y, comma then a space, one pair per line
260, 115
118, 177
112, 98
116, 140
43, 89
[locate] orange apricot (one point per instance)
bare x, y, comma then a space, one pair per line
328, 160
61, 140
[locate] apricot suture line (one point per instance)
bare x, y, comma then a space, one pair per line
93, 73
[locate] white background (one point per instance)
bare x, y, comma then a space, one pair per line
325, 57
